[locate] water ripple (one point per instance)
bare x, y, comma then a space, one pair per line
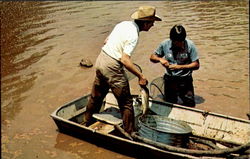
36, 34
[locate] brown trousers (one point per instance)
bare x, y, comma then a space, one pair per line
110, 75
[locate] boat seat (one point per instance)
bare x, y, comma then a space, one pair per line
110, 115
102, 127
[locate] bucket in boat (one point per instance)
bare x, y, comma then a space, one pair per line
165, 130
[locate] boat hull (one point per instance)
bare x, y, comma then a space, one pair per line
69, 116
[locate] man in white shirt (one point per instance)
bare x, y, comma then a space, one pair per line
114, 56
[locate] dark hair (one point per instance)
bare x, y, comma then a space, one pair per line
178, 33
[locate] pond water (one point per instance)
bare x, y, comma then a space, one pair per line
43, 42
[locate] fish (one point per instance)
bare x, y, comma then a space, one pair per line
144, 99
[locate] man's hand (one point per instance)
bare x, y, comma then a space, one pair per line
194, 66
164, 62
143, 81
155, 58
175, 67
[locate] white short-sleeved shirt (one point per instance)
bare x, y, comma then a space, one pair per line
123, 39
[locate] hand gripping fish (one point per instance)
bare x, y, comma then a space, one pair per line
144, 99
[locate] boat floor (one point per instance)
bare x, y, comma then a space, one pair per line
102, 127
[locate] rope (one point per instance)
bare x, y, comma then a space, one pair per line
215, 152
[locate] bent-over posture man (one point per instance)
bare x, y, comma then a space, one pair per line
114, 56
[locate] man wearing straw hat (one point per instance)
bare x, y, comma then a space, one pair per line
114, 56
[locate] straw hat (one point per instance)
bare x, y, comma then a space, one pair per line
146, 13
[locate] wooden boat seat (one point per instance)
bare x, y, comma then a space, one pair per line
110, 115
102, 127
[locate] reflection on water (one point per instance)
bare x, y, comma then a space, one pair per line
18, 19
42, 43
19, 23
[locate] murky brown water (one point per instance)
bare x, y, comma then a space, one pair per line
42, 44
